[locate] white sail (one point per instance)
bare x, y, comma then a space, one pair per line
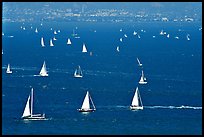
42, 42
78, 73
86, 104
8, 70
121, 39
162, 32
142, 79
167, 36
69, 41
118, 50
121, 29
36, 30
135, 101
139, 62
125, 35
188, 37
134, 33
51, 44
84, 48
54, 38
138, 36
43, 71
55, 32
27, 109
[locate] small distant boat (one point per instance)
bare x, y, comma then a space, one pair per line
2, 52
2, 34
153, 36
138, 36
54, 38
118, 49
24, 28
136, 101
58, 31
167, 36
142, 79
134, 33
42, 42
187, 36
176, 37
41, 24
28, 111
121, 29
69, 42
125, 35
8, 70
55, 32
78, 73
51, 43
36, 30
84, 48
121, 39
162, 32
43, 71
139, 64
86, 104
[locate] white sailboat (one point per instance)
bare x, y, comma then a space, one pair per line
162, 32
167, 36
8, 70
136, 101
69, 42
121, 39
55, 32
142, 79
43, 71
139, 64
118, 49
187, 36
125, 35
86, 104
42, 42
54, 38
78, 73
138, 36
84, 48
36, 30
28, 111
121, 29
2, 52
51, 43
134, 33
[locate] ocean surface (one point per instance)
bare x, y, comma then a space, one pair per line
172, 97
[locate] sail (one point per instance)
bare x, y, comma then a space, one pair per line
135, 101
27, 109
36, 30
86, 104
8, 68
118, 48
138, 61
43, 70
51, 44
31, 102
69, 41
84, 48
42, 42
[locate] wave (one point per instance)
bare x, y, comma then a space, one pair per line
173, 107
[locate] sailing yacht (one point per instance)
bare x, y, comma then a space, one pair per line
42, 42
84, 48
86, 104
8, 70
167, 36
78, 73
118, 49
125, 35
36, 30
142, 79
187, 36
69, 42
134, 33
51, 44
136, 101
121, 39
55, 32
43, 71
139, 64
28, 111
162, 32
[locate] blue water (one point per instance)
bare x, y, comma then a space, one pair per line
172, 68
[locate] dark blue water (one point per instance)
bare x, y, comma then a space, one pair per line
172, 68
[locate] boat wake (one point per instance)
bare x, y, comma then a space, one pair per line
172, 107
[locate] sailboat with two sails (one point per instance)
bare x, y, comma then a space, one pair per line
8, 70
136, 101
28, 111
43, 71
78, 73
86, 106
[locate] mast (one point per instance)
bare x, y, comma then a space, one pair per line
140, 98
92, 103
31, 102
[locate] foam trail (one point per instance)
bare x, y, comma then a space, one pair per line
173, 107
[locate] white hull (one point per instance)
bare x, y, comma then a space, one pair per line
136, 107
44, 75
8, 72
142, 82
86, 110
78, 76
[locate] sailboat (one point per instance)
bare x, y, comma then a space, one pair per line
55, 32
118, 50
51, 44
139, 64
8, 70
86, 104
43, 71
162, 32
134, 33
42, 42
69, 42
121, 39
28, 111
138, 36
84, 48
136, 101
142, 79
78, 73
54, 38
36, 30
187, 36
125, 35
167, 36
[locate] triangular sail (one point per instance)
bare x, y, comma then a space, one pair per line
27, 109
135, 101
69, 42
142, 77
138, 61
51, 44
36, 30
43, 70
42, 42
84, 48
8, 68
86, 104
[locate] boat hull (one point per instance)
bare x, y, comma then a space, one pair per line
78, 76
8, 72
136, 107
86, 110
142, 82
34, 118
44, 75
